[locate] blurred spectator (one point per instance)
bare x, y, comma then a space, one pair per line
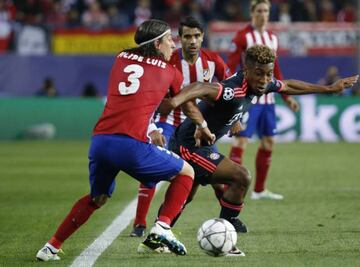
174, 14
231, 11
94, 17
73, 18
327, 11
142, 11
331, 76
7, 13
56, 17
48, 88
117, 18
347, 13
90, 90
303, 10
284, 12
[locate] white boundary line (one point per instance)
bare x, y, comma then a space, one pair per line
89, 256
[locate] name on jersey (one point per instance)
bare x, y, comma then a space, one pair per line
151, 61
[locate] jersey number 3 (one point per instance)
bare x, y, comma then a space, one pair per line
136, 71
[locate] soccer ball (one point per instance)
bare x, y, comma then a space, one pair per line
216, 237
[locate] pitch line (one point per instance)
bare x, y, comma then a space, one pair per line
89, 256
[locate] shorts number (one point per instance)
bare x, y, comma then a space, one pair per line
136, 71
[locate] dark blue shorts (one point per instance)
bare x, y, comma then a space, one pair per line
147, 163
204, 160
262, 119
168, 130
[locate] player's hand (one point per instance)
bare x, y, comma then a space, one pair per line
292, 103
205, 135
166, 106
341, 84
236, 128
157, 138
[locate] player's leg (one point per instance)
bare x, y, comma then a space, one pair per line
145, 193
237, 178
145, 196
165, 165
249, 121
266, 130
102, 184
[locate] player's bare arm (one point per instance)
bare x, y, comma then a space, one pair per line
207, 91
296, 87
202, 132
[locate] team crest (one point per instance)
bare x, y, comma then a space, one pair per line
206, 75
214, 156
228, 93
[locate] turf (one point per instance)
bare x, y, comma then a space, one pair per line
318, 223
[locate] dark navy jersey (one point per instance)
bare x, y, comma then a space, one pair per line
233, 101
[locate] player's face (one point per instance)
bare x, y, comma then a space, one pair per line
260, 15
191, 40
166, 46
258, 77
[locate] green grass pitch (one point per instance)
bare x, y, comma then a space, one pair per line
318, 223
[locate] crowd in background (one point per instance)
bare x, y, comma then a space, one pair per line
119, 14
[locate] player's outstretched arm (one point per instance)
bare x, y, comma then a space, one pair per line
194, 90
296, 87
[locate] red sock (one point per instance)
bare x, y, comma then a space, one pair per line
78, 215
145, 196
175, 197
263, 160
236, 154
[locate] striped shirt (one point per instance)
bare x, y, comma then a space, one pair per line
245, 39
207, 66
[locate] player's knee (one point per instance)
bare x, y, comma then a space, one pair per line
267, 143
187, 170
242, 176
100, 200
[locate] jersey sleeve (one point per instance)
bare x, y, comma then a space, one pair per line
176, 84
276, 86
222, 71
237, 48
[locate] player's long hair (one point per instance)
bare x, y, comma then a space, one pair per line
146, 31
260, 54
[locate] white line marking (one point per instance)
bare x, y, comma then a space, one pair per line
88, 257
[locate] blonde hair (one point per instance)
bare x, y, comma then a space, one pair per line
254, 3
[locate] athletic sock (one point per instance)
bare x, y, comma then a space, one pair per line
263, 160
175, 197
78, 215
145, 195
236, 154
229, 210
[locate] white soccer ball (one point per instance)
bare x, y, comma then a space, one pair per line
216, 237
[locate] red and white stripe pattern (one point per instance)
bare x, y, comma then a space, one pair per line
199, 160
267, 38
202, 70
241, 91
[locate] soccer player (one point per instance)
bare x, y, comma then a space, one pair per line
139, 79
225, 103
262, 118
195, 64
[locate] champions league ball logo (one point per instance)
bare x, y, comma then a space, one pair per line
228, 93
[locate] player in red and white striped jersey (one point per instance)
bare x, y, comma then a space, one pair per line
261, 117
196, 64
